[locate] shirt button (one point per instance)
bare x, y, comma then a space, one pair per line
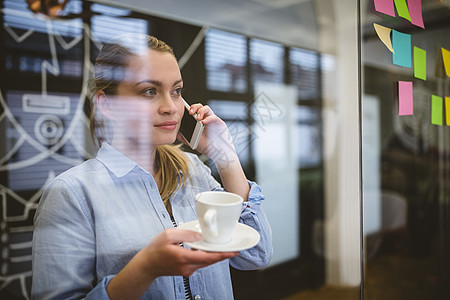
197, 297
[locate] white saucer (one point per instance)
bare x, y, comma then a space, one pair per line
244, 237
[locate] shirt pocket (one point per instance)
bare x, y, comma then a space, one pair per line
183, 202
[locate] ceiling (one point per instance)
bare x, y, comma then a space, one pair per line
291, 22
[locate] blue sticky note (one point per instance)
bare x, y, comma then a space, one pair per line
401, 43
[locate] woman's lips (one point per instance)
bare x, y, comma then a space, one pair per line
169, 125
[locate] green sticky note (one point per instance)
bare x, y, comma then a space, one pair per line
436, 110
447, 110
420, 63
402, 9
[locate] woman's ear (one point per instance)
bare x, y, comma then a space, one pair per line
103, 104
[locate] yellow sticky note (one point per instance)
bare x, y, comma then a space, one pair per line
384, 34
446, 60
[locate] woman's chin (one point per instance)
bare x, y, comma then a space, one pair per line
166, 141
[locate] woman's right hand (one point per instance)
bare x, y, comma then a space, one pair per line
164, 257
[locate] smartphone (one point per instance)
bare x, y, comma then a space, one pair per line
190, 128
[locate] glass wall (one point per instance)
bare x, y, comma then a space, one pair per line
283, 76
405, 119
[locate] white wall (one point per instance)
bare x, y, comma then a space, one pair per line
338, 36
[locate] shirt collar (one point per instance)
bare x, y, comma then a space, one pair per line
116, 162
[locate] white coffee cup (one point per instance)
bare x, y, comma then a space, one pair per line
218, 213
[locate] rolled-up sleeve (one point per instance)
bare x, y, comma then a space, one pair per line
253, 216
64, 247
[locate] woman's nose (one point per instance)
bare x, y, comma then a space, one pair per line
167, 105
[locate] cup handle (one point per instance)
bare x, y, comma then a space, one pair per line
210, 219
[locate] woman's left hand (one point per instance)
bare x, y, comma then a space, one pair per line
216, 141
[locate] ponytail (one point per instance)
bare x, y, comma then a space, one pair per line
171, 163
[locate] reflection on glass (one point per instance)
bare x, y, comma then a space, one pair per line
278, 141
371, 170
43, 122
39, 124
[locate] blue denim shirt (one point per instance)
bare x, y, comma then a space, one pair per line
93, 218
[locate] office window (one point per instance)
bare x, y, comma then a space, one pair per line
308, 148
108, 22
266, 60
235, 115
305, 72
328, 66
226, 61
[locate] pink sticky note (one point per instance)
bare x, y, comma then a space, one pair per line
405, 98
385, 7
415, 11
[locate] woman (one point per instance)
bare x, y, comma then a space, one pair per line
104, 229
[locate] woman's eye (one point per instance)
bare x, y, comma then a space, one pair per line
177, 91
149, 92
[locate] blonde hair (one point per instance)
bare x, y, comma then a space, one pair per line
109, 70
172, 171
